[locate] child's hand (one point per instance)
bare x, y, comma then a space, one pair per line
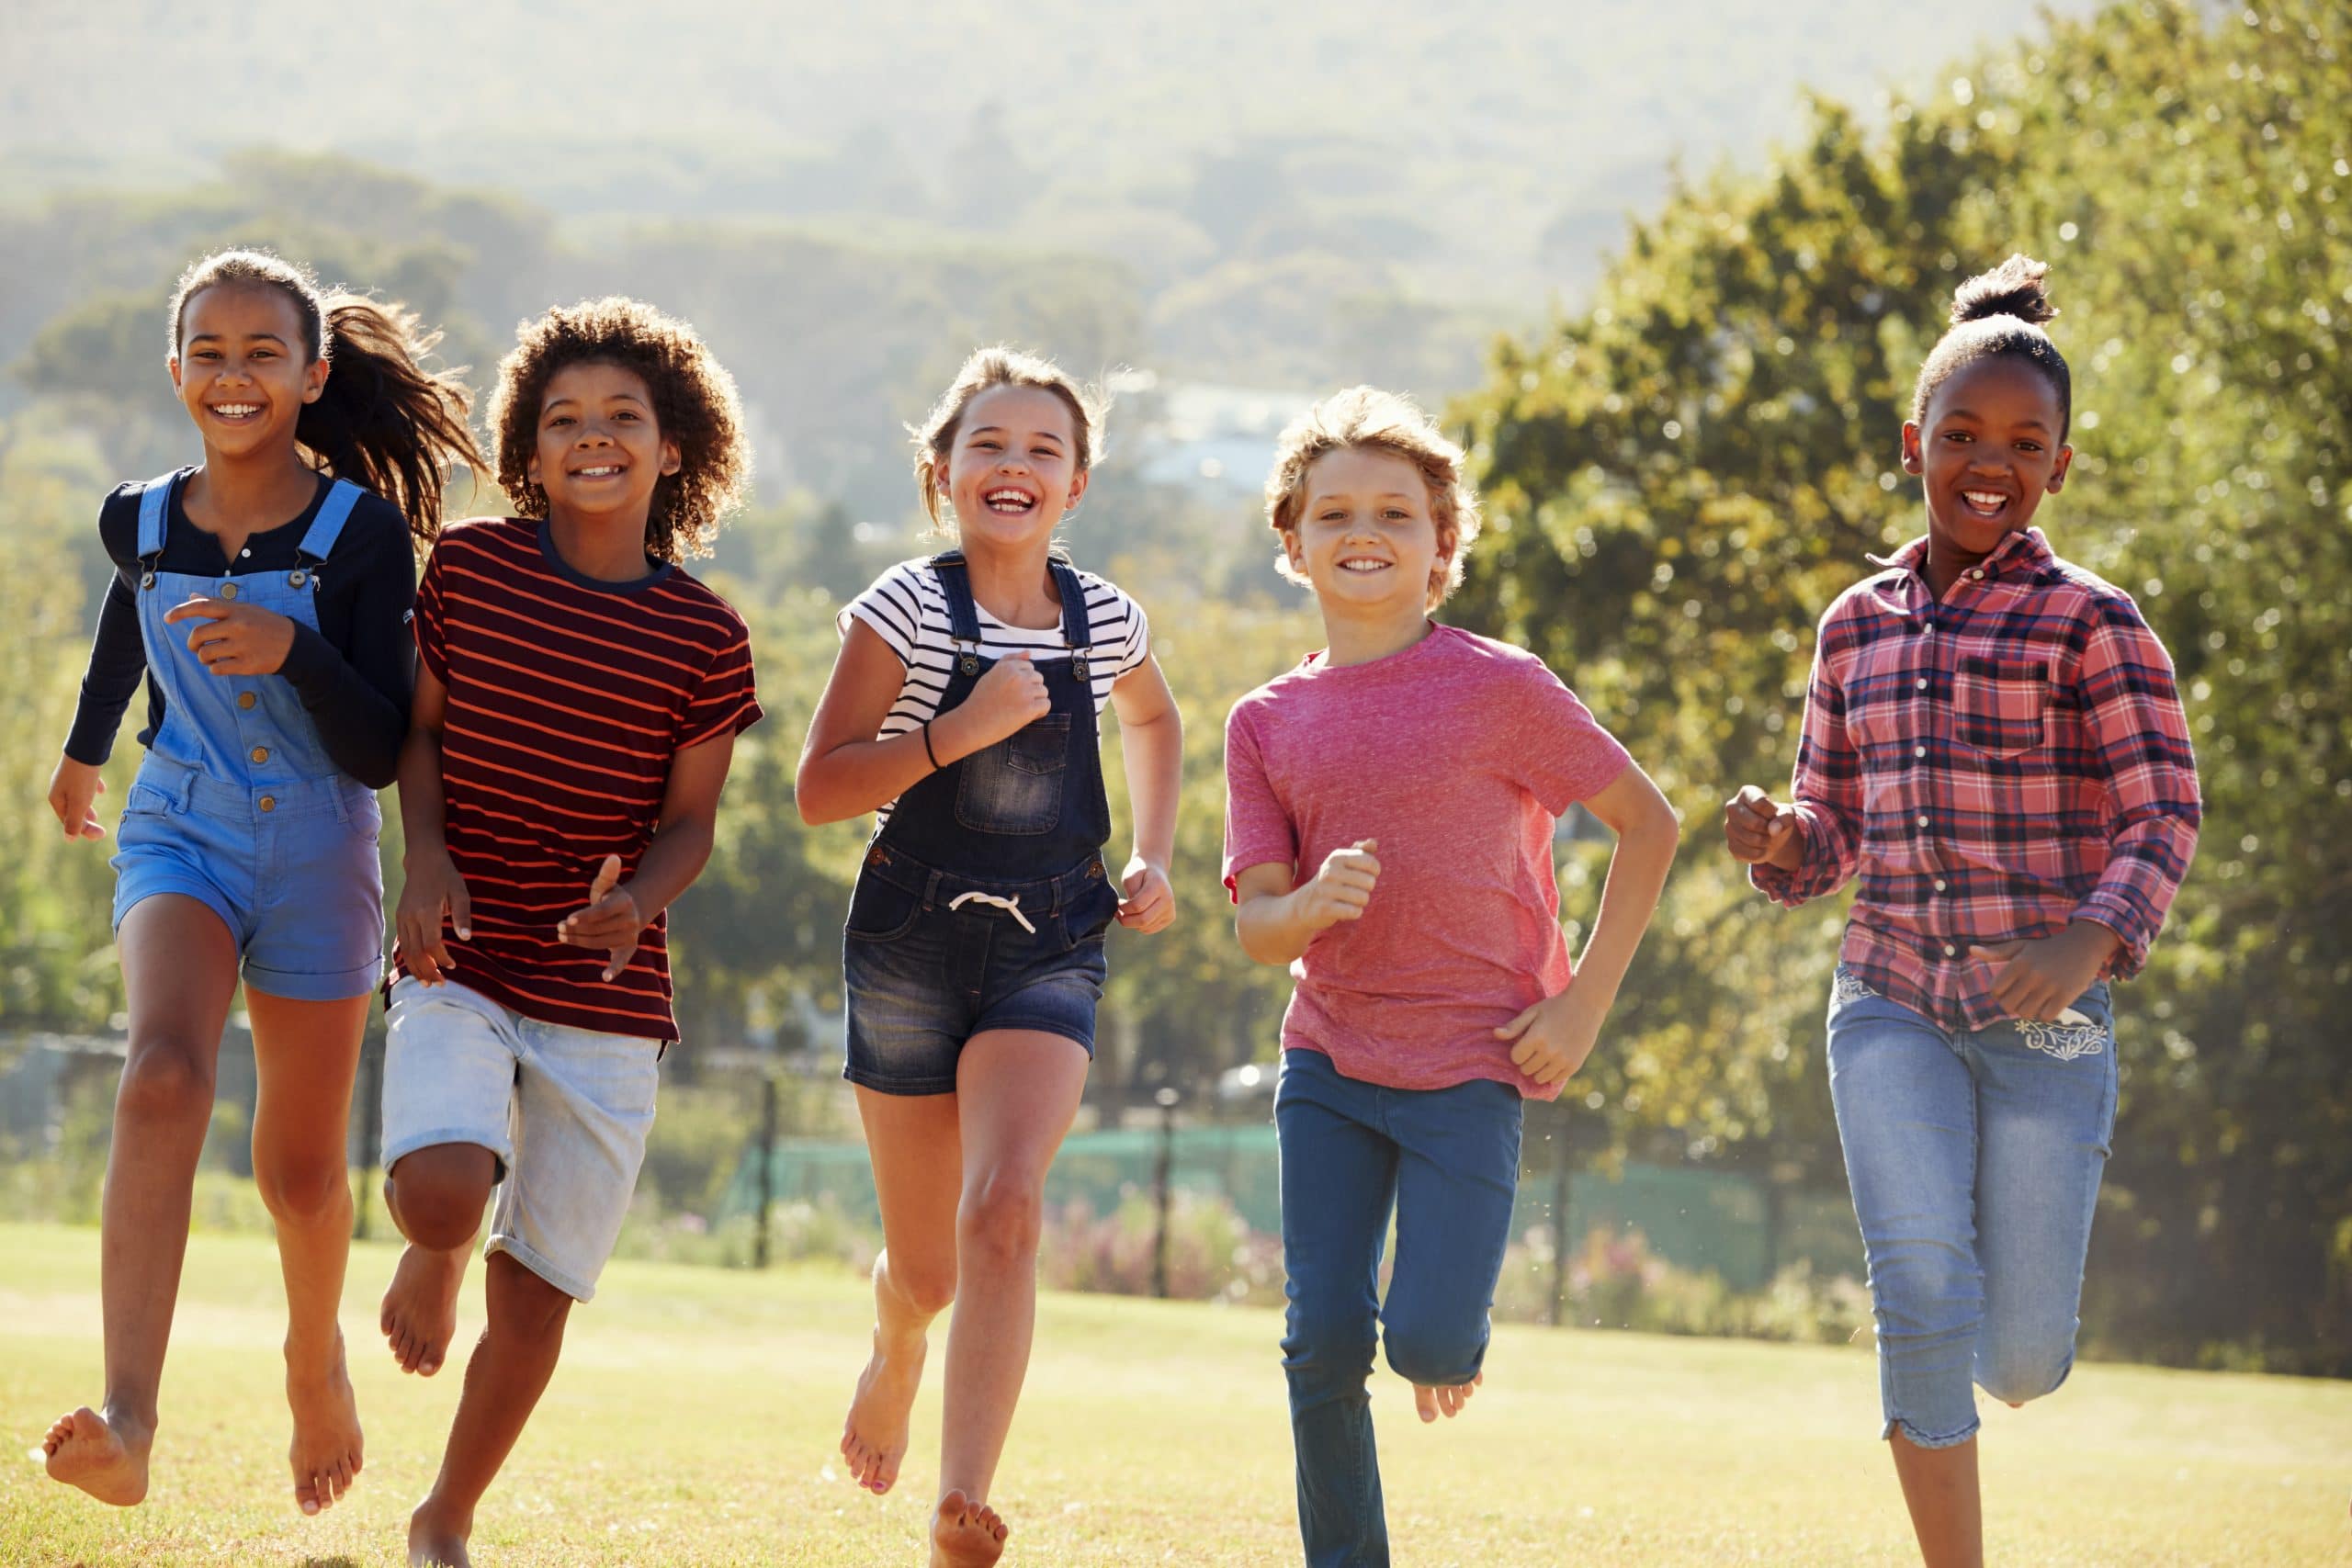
1341, 887
610, 918
72, 788
2036, 978
432, 890
1148, 904
232, 638
1552, 1039
1760, 830
1005, 698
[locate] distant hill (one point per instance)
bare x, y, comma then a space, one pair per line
1484, 153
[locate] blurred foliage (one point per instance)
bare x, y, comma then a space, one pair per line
1682, 477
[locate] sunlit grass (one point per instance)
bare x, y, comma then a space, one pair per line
695, 1416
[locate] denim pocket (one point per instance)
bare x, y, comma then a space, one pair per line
1997, 705
1015, 785
879, 911
146, 800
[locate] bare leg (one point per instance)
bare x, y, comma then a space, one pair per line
179, 971
1018, 1091
1947, 1514
509, 1371
436, 1196
917, 1175
306, 1055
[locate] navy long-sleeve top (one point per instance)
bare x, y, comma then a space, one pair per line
355, 675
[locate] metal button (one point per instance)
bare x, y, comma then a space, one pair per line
1921, 682
876, 857
146, 580
245, 700
261, 753
227, 591
296, 579
268, 803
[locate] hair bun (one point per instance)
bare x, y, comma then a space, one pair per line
2019, 286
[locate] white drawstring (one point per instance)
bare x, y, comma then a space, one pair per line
1010, 906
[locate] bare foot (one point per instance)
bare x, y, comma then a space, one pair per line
435, 1542
965, 1534
873, 1438
326, 1454
106, 1457
420, 1313
1432, 1402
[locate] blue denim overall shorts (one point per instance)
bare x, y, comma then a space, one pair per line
237, 805
983, 901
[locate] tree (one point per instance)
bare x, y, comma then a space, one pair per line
1682, 477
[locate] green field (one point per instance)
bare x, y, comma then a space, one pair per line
695, 1416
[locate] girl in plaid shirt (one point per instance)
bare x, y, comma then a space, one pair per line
1994, 743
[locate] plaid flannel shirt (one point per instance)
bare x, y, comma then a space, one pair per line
1995, 766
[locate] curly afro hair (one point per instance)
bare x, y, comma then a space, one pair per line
694, 403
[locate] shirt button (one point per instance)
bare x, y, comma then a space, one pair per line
245, 700
1978, 574
1928, 628
1918, 750
246, 551
1951, 952
268, 803
227, 591
1921, 682
1923, 821
1939, 883
261, 754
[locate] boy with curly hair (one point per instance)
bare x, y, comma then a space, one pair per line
573, 721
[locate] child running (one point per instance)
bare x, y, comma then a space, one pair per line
963, 711
1993, 741
1388, 836
262, 595
575, 719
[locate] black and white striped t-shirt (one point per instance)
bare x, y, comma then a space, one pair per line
907, 609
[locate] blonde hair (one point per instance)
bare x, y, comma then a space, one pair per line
1365, 419
998, 366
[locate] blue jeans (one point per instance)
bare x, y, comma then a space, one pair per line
1447, 1161
1976, 1161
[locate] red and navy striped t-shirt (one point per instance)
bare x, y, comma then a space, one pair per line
568, 698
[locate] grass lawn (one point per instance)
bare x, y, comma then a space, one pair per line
695, 1416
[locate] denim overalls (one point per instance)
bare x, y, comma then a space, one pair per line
983, 901
237, 805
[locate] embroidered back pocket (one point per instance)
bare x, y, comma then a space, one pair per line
1997, 705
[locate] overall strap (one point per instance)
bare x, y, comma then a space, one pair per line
963, 620
154, 512
318, 540
1078, 630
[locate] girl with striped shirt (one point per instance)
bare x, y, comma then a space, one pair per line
963, 711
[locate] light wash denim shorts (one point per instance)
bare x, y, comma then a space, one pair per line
565, 1111
290, 869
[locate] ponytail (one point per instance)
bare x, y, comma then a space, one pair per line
381, 421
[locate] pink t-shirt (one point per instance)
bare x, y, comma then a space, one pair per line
1458, 754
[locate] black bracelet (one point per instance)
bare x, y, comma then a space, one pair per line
926, 747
